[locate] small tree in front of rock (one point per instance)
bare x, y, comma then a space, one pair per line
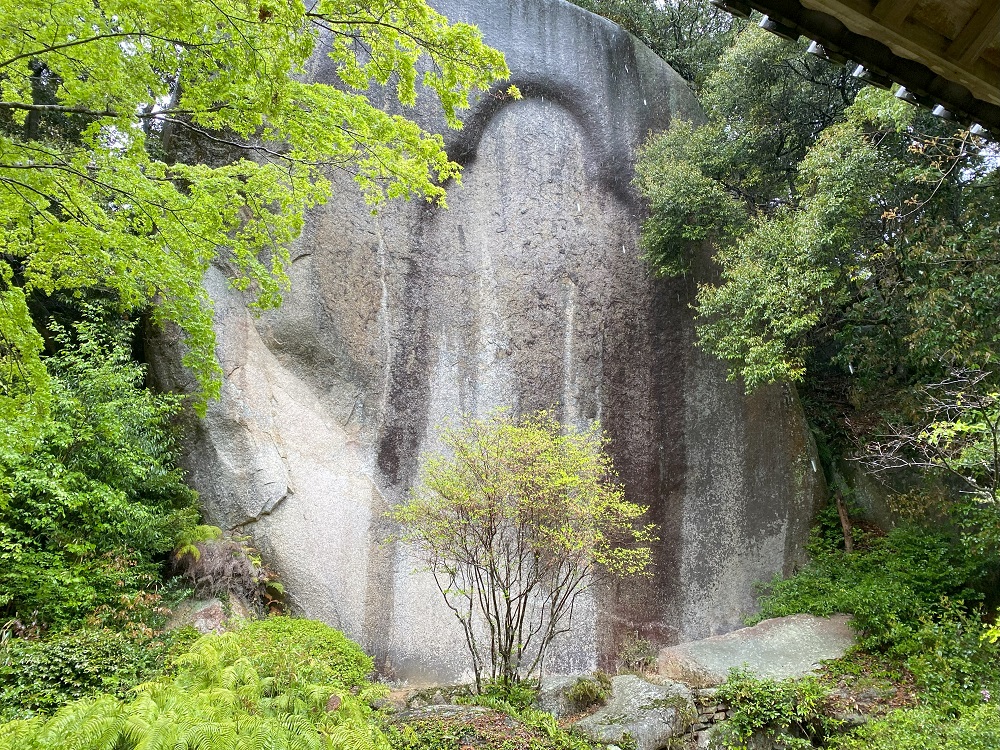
515, 521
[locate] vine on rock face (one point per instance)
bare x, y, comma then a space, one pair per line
514, 524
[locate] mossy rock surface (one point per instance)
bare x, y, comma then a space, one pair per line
640, 714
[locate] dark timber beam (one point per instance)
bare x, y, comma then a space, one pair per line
893, 12
982, 28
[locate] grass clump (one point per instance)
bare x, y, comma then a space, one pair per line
589, 691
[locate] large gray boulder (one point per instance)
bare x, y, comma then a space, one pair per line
777, 649
527, 292
640, 714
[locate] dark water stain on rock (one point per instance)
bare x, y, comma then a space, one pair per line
528, 292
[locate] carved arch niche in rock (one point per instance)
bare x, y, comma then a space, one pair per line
527, 292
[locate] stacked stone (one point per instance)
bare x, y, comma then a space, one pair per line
710, 711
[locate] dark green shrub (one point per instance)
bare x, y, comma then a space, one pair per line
908, 593
887, 585
789, 712
91, 509
40, 676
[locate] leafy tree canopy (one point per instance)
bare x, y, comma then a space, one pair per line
91, 201
856, 250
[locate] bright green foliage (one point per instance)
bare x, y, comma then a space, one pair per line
98, 98
39, 676
514, 522
86, 516
976, 728
789, 712
294, 651
288, 685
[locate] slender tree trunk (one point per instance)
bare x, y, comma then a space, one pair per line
845, 522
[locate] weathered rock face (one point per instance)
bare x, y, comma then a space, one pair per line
527, 292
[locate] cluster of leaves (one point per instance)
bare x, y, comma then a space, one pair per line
91, 508
514, 523
791, 713
855, 251
766, 104
907, 593
97, 100
40, 676
277, 683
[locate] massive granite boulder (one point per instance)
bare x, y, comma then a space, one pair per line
527, 292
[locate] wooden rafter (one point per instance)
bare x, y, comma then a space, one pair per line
893, 12
981, 30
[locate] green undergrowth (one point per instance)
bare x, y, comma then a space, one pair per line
40, 676
91, 507
915, 598
277, 683
788, 712
976, 728
924, 670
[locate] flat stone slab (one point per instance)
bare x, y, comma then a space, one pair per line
639, 711
779, 648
